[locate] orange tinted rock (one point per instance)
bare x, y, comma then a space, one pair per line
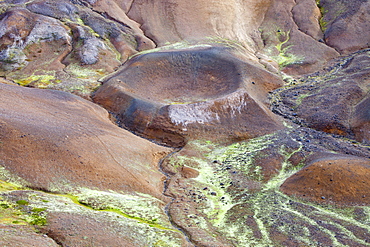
174, 96
56, 141
342, 180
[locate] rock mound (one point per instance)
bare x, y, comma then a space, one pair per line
342, 180
55, 141
346, 25
333, 100
201, 92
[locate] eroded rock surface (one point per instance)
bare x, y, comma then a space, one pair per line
62, 45
346, 25
338, 179
173, 96
235, 191
333, 100
291, 37
69, 142
195, 75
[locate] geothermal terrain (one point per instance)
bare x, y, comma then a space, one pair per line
184, 123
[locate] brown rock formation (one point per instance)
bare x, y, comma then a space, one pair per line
69, 142
336, 179
203, 81
360, 122
291, 35
176, 95
21, 236
173, 20
346, 24
333, 100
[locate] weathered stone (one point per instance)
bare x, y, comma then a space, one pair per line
56, 141
346, 24
206, 92
291, 37
117, 10
21, 236
333, 100
330, 178
174, 20
234, 198
61, 45
306, 15
61, 9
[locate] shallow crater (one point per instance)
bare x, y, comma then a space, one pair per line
180, 76
171, 96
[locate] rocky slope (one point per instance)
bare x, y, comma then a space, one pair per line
184, 123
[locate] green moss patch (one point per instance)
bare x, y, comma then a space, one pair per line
246, 211
41, 81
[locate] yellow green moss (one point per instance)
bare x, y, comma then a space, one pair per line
84, 72
41, 81
285, 58
323, 24
10, 214
9, 182
137, 213
6, 186
229, 207
15, 213
142, 208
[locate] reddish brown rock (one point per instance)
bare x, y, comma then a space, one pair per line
117, 10
360, 121
333, 100
21, 236
172, 96
346, 24
174, 20
56, 141
291, 37
342, 180
306, 15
